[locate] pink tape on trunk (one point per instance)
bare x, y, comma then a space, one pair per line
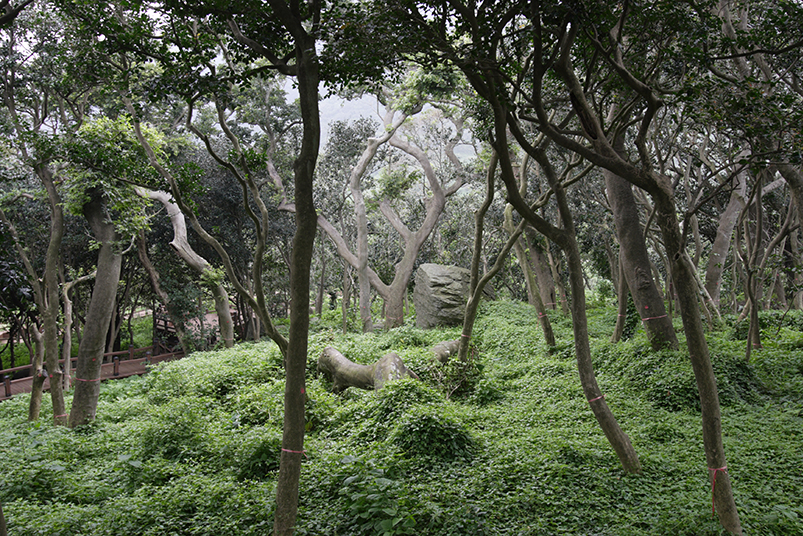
713, 485
304, 452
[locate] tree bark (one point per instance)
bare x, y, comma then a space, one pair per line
683, 278
37, 374
622, 292
636, 263
721, 245
301, 260
101, 305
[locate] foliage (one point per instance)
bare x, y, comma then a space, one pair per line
193, 447
426, 432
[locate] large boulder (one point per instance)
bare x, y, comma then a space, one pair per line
440, 295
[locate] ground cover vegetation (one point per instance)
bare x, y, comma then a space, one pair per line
193, 447
171, 156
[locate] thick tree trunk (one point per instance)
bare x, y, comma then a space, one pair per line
101, 306
636, 263
37, 374
344, 373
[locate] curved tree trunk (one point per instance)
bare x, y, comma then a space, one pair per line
686, 288
164, 298
101, 306
567, 241
182, 247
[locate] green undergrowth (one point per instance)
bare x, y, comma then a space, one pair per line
503, 445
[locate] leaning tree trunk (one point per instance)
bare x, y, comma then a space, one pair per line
183, 249
686, 289
566, 239
101, 307
721, 245
636, 263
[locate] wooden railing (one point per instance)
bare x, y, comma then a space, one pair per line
144, 356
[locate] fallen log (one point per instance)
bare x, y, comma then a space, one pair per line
446, 349
344, 373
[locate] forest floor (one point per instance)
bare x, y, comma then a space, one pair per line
505, 446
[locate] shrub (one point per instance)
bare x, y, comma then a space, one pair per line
427, 432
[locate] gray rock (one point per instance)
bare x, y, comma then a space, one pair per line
440, 295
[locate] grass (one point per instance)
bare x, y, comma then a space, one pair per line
508, 447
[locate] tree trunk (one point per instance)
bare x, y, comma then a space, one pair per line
686, 288
321, 286
66, 350
101, 306
164, 297
3, 529
721, 245
301, 259
622, 292
344, 373
636, 263
183, 249
346, 301
543, 271
37, 374
533, 292
50, 314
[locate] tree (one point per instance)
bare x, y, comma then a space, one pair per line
391, 185
284, 36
